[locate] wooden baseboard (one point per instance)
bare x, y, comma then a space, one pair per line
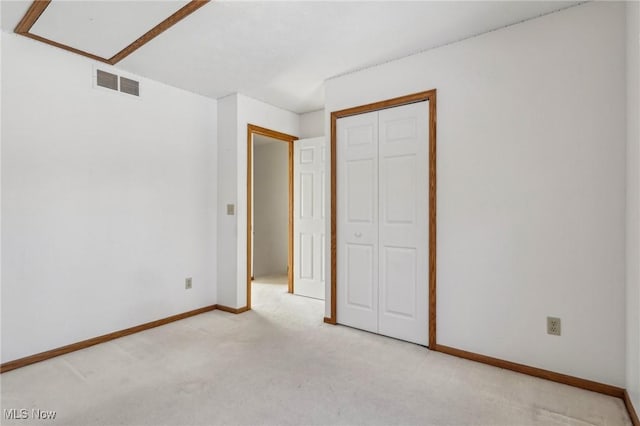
536, 372
548, 375
633, 414
329, 320
232, 310
42, 356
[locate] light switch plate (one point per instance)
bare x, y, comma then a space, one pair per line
231, 209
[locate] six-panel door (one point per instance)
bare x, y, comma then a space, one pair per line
382, 222
309, 217
357, 221
403, 150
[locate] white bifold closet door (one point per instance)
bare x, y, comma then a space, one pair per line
382, 222
308, 217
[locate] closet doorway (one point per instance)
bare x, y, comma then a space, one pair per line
383, 217
270, 205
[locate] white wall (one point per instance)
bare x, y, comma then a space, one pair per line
1, 189
227, 186
633, 203
312, 124
107, 201
235, 113
271, 209
531, 186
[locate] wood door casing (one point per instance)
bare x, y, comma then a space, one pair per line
251, 130
431, 96
382, 226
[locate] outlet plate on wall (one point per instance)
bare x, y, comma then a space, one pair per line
554, 326
187, 283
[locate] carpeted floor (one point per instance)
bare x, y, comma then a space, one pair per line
278, 365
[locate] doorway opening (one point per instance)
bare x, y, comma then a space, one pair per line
269, 206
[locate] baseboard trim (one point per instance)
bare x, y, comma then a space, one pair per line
548, 375
329, 320
536, 372
232, 310
633, 414
42, 356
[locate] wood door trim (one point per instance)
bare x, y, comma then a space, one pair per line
252, 129
430, 96
389, 103
42, 356
290, 239
271, 133
39, 6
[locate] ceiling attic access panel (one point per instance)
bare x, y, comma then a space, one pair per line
107, 31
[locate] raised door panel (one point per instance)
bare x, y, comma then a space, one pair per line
399, 206
357, 221
305, 270
306, 195
359, 274
360, 186
399, 266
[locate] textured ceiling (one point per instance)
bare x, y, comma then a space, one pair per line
281, 52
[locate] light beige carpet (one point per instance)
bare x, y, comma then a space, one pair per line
279, 365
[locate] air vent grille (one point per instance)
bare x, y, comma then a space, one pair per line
108, 80
117, 82
129, 86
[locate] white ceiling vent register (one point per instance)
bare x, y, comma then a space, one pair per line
111, 81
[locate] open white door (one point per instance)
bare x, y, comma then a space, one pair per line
309, 218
